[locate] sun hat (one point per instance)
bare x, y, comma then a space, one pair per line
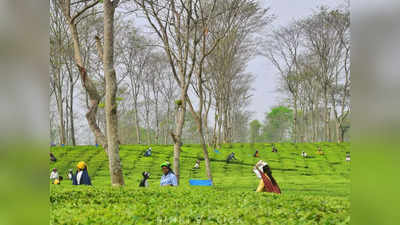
81, 165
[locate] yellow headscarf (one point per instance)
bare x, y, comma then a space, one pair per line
81, 165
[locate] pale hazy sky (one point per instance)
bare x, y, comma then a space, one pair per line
265, 85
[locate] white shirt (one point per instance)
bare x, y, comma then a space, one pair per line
78, 177
54, 175
169, 179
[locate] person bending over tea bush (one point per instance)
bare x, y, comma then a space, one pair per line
230, 157
267, 182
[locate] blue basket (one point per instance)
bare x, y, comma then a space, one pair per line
200, 182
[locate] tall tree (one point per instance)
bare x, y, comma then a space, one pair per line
183, 27
117, 178
58, 39
283, 49
325, 42
73, 17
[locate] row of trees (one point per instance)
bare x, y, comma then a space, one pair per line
133, 88
312, 57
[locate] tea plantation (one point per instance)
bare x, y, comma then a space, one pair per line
315, 190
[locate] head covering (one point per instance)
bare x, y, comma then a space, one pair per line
54, 169
166, 164
81, 165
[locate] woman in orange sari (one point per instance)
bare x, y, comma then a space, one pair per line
267, 182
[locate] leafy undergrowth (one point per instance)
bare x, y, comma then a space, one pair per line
315, 190
91, 205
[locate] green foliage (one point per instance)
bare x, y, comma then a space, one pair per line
178, 102
164, 206
315, 190
278, 124
102, 104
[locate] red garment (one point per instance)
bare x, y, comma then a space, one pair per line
268, 186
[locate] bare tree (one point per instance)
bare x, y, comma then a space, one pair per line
180, 30
312, 56
325, 43
58, 40
110, 143
135, 57
283, 49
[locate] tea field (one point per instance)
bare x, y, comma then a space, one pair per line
315, 190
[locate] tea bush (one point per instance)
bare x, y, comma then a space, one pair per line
315, 190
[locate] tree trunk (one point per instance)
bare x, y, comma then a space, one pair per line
326, 116
167, 125
295, 121
157, 123
338, 135
111, 91
225, 125
71, 112
148, 127
214, 138
177, 136
219, 141
137, 124
62, 122
60, 108
205, 151
342, 130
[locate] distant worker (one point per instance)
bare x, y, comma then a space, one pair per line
197, 165
146, 176
304, 154
52, 157
58, 180
320, 152
82, 176
347, 156
169, 178
267, 181
70, 174
274, 149
256, 154
148, 152
54, 174
231, 157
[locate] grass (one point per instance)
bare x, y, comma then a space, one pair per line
315, 190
